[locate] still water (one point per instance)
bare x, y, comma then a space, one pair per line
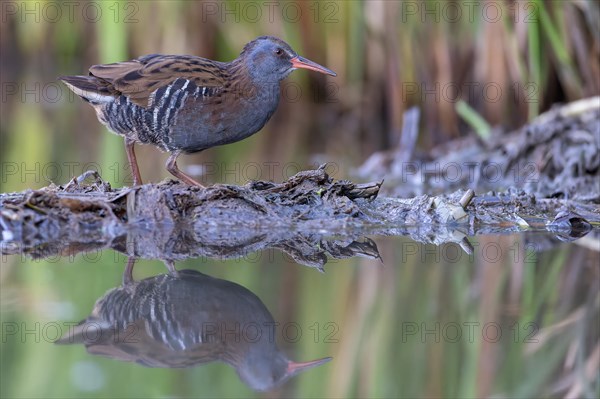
316, 316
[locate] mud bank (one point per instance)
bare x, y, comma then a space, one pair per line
310, 216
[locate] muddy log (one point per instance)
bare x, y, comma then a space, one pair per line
176, 221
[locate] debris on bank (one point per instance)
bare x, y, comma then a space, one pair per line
557, 155
179, 221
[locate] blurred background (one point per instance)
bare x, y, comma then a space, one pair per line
508, 61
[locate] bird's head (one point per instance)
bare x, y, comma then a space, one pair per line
266, 373
271, 59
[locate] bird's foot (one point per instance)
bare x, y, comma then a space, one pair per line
174, 170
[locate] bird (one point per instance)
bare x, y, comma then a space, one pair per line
186, 104
186, 318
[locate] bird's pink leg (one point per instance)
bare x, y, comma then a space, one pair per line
137, 178
174, 170
128, 273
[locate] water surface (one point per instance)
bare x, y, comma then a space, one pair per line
518, 316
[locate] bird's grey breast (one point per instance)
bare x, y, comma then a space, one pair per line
213, 116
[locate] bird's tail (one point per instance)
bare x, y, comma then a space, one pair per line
90, 88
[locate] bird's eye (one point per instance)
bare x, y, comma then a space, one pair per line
278, 51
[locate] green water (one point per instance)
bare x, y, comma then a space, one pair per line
517, 318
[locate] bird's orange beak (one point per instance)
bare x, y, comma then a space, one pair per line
294, 368
302, 63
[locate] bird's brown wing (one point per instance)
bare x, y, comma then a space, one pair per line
139, 78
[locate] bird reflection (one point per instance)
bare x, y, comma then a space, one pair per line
185, 318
